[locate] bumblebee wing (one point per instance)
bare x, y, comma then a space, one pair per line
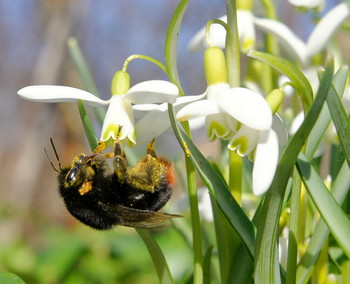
143, 219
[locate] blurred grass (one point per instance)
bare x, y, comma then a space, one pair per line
82, 255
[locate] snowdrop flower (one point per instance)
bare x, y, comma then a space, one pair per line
240, 115
119, 119
318, 38
217, 33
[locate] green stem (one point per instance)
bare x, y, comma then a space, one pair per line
233, 67
232, 45
145, 57
195, 219
293, 229
235, 176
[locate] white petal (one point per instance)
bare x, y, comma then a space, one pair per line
217, 37
152, 125
244, 141
311, 4
326, 28
246, 30
197, 109
265, 162
298, 120
180, 101
154, 91
281, 130
286, 37
246, 106
119, 114
54, 94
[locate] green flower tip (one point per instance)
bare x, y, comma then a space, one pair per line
244, 5
120, 83
215, 130
215, 68
274, 99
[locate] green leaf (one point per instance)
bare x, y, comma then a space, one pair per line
84, 72
89, 130
171, 42
158, 258
320, 127
217, 187
207, 266
327, 206
340, 189
294, 74
340, 120
267, 234
10, 278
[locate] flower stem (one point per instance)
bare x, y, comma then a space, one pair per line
196, 227
233, 68
145, 57
232, 45
293, 229
235, 176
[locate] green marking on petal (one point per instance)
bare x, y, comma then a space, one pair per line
248, 43
240, 143
216, 129
111, 131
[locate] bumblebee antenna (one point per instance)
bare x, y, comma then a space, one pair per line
57, 158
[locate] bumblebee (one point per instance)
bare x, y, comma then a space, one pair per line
101, 197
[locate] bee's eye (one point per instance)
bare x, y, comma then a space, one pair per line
73, 171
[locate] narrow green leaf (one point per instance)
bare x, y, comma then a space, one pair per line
89, 130
10, 278
294, 74
267, 234
158, 258
207, 266
340, 189
341, 121
320, 127
327, 206
171, 42
84, 72
217, 187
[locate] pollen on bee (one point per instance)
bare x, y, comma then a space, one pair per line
85, 188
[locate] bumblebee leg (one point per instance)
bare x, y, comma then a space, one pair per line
100, 147
150, 149
120, 162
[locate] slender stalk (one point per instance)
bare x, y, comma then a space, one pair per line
196, 226
145, 57
293, 229
233, 68
232, 45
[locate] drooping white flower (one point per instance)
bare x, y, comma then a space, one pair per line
119, 119
217, 33
247, 23
240, 115
317, 40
